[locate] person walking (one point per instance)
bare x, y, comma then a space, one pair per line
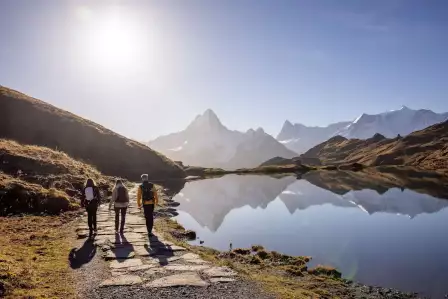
91, 199
147, 197
120, 201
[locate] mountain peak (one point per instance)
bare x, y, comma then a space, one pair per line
404, 107
207, 119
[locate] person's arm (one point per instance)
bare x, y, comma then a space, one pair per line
139, 197
156, 197
83, 199
113, 198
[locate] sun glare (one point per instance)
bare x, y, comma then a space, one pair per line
111, 40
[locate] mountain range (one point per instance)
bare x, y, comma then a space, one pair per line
207, 142
403, 121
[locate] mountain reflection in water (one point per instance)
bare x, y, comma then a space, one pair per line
370, 227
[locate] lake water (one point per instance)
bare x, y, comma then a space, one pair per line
386, 236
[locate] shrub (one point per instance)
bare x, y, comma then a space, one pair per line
263, 254
326, 271
242, 251
256, 248
256, 260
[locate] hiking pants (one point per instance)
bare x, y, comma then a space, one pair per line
149, 216
91, 216
117, 218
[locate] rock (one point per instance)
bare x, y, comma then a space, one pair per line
82, 234
123, 280
140, 229
219, 272
190, 256
184, 279
140, 268
144, 251
120, 264
186, 267
221, 279
119, 253
155, 271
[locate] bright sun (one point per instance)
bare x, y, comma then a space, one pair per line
111, 40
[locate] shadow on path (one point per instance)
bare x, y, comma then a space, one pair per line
80, 256
159, 250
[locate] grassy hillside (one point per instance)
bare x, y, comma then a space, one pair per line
32, 121
37, 179
427, 149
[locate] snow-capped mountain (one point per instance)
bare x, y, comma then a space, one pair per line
403, 121
389, 124
300, 138
207, 142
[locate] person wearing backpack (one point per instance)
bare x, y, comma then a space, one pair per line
91, 199
120, 200
147, 197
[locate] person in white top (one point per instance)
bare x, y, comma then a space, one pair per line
120, 201
91, 199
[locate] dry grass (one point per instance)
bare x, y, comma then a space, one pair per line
34, 257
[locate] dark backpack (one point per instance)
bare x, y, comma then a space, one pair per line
121, 195
147, 192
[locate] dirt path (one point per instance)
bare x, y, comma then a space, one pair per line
132, 266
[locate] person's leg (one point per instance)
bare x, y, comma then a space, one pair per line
95, 209
117, 218
123, 219
89, 220
149, 210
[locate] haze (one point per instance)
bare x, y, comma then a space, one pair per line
147, 68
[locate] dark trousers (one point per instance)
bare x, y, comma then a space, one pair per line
119, 211
91, 216
149, 216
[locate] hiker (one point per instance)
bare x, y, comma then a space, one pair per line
91, 200
120, 200
147, 196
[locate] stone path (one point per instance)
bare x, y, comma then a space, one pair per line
155, 263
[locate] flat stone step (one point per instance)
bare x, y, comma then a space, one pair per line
184, 279
119, 253
175, 267
120, 264
219, 272
221, 279
122, 280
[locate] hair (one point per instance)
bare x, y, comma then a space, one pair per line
144, 177
90, 183
119, 182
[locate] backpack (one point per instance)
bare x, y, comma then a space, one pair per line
121, 195
147, 192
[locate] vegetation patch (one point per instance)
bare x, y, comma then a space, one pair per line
326, 271
33, 257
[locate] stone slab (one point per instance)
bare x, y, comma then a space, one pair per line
155, 271
120, 264
175, 267
122, 280
221, 279
219, 272
184, 279
190, 256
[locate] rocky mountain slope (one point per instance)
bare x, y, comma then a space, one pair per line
32, 121
207, 142
427, 148
392, 123
403, 121
300, 138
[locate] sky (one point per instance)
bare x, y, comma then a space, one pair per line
147, 68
